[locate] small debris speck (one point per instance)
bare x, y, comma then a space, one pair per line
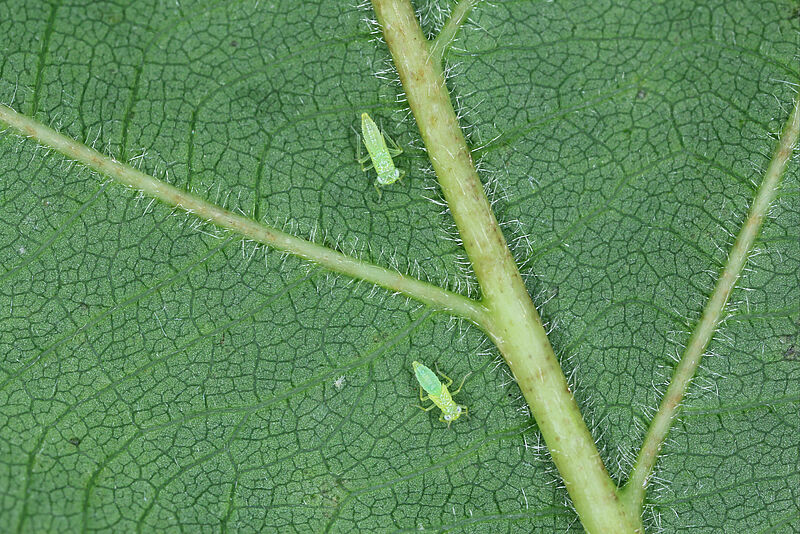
339, 382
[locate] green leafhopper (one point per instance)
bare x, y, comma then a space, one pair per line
379, 153
438, 393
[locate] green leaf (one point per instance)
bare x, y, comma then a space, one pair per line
159, 375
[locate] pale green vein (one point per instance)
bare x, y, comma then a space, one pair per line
512, 320
448, 33
43, 51
713, 313
121, 173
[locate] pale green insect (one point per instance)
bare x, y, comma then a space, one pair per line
380, 154
438, 393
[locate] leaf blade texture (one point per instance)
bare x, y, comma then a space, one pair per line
160, 375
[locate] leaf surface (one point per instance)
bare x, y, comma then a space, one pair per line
160, 375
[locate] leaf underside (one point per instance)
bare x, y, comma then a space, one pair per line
163, 376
